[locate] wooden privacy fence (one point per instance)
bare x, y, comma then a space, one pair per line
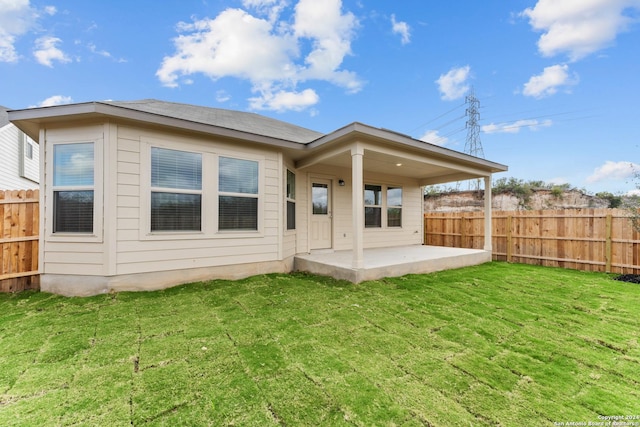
19, 229
582, 239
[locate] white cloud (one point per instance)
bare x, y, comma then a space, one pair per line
53, 100
46, 51
579, 27
432, 137
547, 83
453, 84
222, 96
50, 10
401, 28
17, 17
269, 8
614, 171
634, 192
283, 101
94, 49
514, 127
267, 52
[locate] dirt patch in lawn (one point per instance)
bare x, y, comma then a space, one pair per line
631, 278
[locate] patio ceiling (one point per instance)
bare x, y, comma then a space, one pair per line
426, 163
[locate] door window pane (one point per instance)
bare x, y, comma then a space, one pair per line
320, 198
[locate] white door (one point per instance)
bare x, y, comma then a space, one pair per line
321, 218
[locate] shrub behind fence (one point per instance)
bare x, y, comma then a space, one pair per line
583, 239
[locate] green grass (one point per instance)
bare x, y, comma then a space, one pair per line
497, 344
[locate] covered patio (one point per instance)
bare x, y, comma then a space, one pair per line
358, 155
389, 262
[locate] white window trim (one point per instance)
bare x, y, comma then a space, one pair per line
260, 196
146, 189
97, 235
177, 191
384, 226
287, 199
210, 162
401, 207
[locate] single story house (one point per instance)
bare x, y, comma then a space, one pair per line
148, 194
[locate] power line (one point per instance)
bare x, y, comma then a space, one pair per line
440, 116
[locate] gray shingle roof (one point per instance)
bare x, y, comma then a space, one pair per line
4, 117
229, 119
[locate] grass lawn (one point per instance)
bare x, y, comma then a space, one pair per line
497, 344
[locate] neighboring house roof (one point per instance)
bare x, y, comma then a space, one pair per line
4, 117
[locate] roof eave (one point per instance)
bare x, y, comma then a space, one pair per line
356, 129
22, 118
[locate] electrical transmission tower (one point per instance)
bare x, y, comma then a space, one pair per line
473, 146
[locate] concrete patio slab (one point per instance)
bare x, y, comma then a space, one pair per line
389, 262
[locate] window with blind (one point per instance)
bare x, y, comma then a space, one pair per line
73, 187
237, 194
291, 200
176, 190
382, 205
372, 206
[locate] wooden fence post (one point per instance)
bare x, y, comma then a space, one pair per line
608, 254
509, 238
462, 232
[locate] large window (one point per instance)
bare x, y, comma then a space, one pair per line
176, 190
291, 200
237, 194
382, 205
73, 187
372, 206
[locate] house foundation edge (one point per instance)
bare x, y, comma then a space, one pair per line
84, 285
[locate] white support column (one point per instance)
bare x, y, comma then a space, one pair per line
487, 214
357, 203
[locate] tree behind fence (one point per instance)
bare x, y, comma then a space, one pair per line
583, 239
19, 229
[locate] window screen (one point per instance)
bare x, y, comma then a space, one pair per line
291, 200
394, 207
372, 206
176, 190
238, 194
73, 188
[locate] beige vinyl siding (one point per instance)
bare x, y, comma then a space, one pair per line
411, 231
73, 254
290, 237
302, 212
137, 252
128, 185
11, 140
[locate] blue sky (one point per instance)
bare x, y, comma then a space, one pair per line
557, 80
